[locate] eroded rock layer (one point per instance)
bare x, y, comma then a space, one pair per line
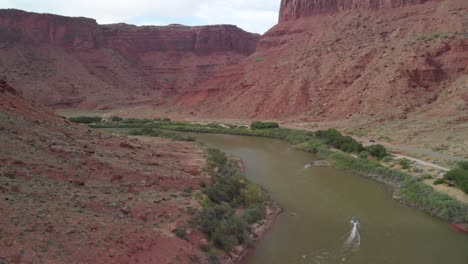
294, 9
74, 62
370, 64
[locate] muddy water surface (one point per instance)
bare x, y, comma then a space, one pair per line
319, 205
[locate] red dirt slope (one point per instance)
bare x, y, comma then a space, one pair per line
74, 62
71, 195
331, 64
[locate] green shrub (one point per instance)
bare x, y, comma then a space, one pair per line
463, 165
459, 176
264, 125
222, 226
160, 133
334, 138
137, 121
387, 158
369, 168
228, 191
115, 119
254, 214
364, 154
435, 203
85, 119
439, 181
377, 151
181, 233
405, 163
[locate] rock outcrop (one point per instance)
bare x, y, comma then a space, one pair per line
363, 65
295, 9
75, 62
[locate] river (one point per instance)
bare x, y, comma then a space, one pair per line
319, 205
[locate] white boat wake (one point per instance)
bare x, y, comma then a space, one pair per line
341, 253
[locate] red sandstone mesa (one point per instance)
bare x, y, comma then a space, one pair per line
69, 62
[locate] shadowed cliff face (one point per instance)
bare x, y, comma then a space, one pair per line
294, 9
75, 62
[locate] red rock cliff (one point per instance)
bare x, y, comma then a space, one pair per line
294, 9
70, 62
200, 40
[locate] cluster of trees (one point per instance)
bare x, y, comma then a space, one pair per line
335, 139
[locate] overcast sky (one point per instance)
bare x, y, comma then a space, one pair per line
252, 15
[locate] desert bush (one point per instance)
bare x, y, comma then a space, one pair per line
181, 233
85, 119
459, 176
439, 181
220, 223
369, 168
435, 203
387, 158
228, 191
159, 133
334, 138
254, 214
264, 125
404, 163
137, 120
377, 151
364, 154
115, 119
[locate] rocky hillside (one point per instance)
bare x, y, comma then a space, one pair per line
72, 195
328, 61
296, 9
74, 62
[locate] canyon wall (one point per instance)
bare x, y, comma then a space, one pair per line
294, 9
75, 62
363, 64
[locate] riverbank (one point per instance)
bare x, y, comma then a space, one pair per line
413, 190
258, 230
273, 210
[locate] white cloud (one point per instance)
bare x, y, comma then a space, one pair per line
254, 15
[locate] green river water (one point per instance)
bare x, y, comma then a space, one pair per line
319, 204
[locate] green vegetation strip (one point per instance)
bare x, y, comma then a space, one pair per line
322, 143
231, 203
